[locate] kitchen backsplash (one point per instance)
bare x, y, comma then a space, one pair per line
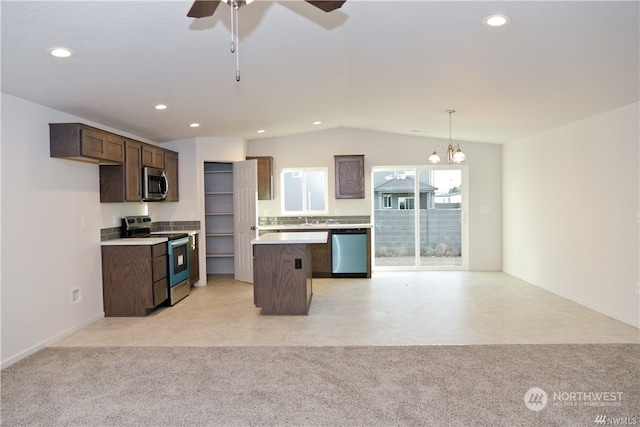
114, 232
295, 220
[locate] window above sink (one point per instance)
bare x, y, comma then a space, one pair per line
304, 191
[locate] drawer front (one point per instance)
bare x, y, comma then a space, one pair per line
159, 268
158, 250
160, 291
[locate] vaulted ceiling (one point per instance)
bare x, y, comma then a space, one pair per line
389, 66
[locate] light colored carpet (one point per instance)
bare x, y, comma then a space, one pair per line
330, 386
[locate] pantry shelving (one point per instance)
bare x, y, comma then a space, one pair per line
218, 195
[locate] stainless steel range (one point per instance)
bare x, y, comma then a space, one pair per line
177, 251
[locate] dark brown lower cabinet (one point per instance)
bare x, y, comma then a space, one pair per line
321, 258
134, 279
282, 278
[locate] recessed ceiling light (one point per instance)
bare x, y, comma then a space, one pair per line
195, 125
496, 20
60, 52
160, 107
261, 131
317, 123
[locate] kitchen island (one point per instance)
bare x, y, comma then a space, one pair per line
323, 264
282, 281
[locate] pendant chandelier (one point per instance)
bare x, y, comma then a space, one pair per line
453, 152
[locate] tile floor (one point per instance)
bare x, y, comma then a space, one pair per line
392, 308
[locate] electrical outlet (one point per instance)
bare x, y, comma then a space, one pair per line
76, 296
83, 223
190, 214
638, 288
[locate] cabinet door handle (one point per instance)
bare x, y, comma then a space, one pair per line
253, 227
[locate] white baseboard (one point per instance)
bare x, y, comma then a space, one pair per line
47, 342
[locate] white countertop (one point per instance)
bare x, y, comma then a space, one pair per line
311, 226
134, 241
189, 232
291, 238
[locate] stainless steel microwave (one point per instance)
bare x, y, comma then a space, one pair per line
154, 184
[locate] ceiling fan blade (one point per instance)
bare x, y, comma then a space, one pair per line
203, 8
327, 6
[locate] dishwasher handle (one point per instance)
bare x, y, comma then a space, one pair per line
349, 231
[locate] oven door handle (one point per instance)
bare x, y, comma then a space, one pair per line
179, 242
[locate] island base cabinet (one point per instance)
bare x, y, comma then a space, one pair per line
282, 278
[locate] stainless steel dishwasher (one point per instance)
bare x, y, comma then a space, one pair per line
349, 252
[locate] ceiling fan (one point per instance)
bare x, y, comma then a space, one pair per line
204, 8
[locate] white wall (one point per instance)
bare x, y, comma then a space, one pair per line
571, 196
381, 149
45, 253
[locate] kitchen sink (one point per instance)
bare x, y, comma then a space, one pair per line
319, 224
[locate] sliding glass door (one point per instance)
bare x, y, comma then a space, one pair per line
418, 218
394, 217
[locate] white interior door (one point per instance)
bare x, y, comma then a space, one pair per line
245, 217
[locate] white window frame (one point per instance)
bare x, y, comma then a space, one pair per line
407, 200
387, 198
305, 208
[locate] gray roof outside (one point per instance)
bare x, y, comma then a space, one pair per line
406, 185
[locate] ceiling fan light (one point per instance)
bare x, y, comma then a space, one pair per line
434, 158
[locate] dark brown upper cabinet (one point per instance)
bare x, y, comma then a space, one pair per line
121, 159
265, 176
152, 156
123, 183
76, 141
349, 171
171, 169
